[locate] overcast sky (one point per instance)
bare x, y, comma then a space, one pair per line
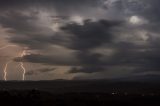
79, 39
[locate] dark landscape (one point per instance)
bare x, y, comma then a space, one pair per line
79, 93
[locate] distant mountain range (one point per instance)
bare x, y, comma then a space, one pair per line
140, 84
142, 78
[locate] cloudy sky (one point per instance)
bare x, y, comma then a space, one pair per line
79, 39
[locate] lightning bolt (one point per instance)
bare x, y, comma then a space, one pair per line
5, 71
22, 65
6, 65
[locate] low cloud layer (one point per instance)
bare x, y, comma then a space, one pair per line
40, 71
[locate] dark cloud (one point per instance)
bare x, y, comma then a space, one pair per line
45, 59
83, 38
58, 5
21, 27
39, 71
29, 73
26, 30
90, 63
91, 34
88, 36
19, 22
87, 69
141, 58
152, 12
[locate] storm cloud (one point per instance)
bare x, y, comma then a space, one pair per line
88, 36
